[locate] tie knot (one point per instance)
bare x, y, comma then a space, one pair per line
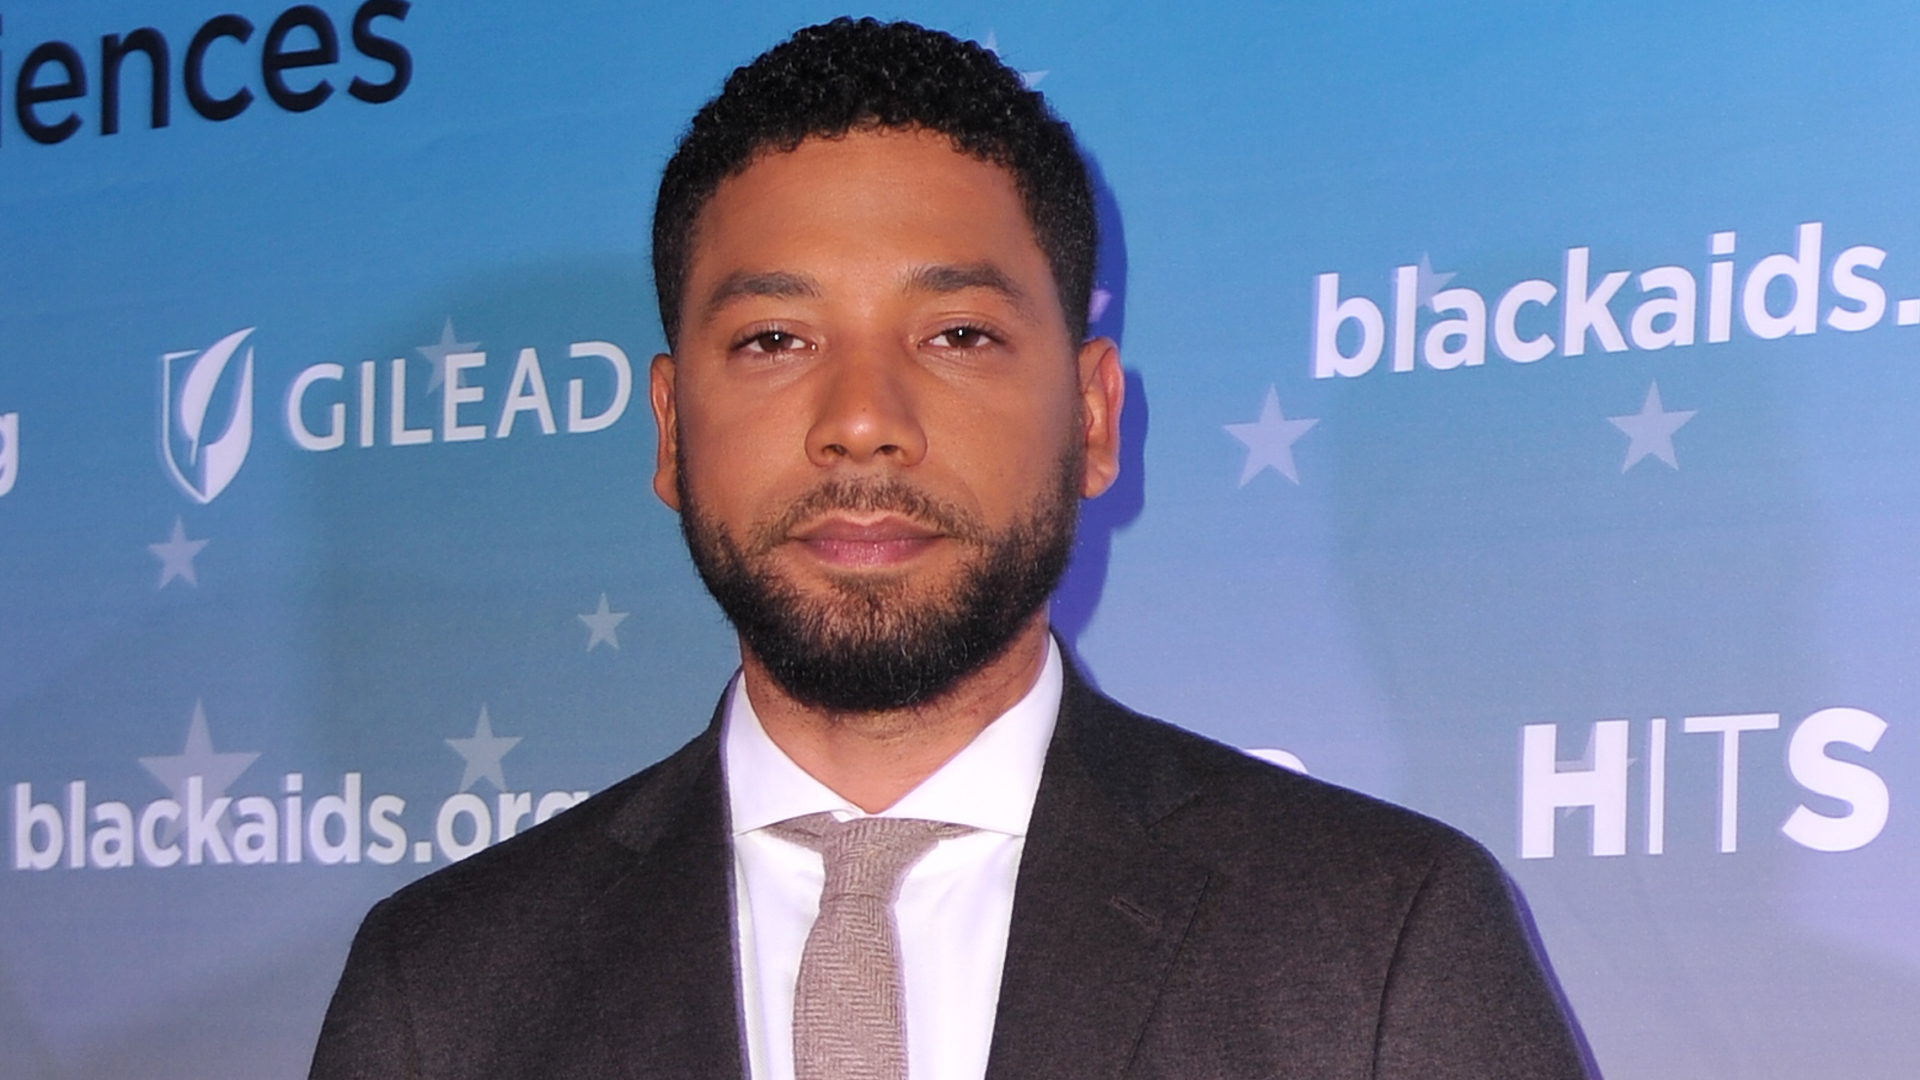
866, 856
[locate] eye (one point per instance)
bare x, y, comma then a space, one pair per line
962, 337
770, 341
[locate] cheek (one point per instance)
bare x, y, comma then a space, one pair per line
733, 452
1010, 455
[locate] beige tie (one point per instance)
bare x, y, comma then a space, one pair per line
849, 1008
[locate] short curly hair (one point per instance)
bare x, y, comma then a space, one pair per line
845, 75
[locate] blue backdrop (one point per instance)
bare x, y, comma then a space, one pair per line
1521, 429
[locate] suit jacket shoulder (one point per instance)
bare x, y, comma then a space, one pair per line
1247, 818
1187, 910
595, 945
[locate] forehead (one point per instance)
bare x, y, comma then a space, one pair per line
867, 197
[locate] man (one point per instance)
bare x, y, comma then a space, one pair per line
874, 254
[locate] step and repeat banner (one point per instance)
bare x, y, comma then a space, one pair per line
1522, 427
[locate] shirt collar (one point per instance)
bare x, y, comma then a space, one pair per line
990, 784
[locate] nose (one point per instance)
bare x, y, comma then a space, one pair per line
866, 412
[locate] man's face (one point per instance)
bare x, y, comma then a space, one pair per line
875, 424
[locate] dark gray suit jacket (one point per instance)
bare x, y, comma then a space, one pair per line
1182, 911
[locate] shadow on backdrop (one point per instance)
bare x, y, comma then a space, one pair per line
1539, 944
1078, 596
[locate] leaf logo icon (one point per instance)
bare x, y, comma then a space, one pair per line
190, 381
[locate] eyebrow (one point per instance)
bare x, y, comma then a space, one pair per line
940, 279
774, 283
963, 276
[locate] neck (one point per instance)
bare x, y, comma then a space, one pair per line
872, 759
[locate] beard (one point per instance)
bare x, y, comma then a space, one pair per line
879, 643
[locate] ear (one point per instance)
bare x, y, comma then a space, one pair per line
1103, 390
666, 423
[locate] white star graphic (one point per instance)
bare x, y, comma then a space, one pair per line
176, 556
436, 354
216, 771
1030, 79
1428, 282
483, 753
602, 623
1097, 303
1650, 430
1270, 440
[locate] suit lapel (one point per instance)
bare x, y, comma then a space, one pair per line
657, 968
1100, 909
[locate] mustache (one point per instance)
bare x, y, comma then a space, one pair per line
869, 497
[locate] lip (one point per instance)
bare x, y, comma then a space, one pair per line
859, 541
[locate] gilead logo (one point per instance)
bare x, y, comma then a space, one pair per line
201, 462
329, 405
207, 404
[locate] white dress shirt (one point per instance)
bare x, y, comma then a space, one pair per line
955, 904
